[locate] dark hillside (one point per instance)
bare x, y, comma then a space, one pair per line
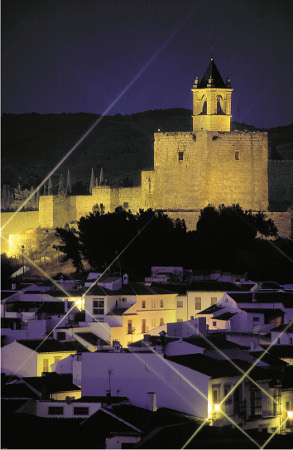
32, 144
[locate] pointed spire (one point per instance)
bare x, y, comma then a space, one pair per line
45, 189
211, 82
213, 74
4, 196
68, 183
32, 200
61, 190
97, 182
50, 187
92, 183
37, 198
101, 179
195, 84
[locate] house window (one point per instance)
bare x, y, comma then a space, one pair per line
277, 401
255, 402
143, 326
129, 327
239, 403
179, 320
237, 155
216, 394
227, 389
161, 321
125, 205
179, 304
57, 358
55, 410
45, 365
198, 303
291, 341
180, 156
213, 300
256, 319
214, 323
143, 304
98, 306
61, 336
162, 303
81, 411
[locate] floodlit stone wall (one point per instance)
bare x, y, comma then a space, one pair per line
16, 223
193, 170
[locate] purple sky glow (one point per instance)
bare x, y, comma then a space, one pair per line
79, 55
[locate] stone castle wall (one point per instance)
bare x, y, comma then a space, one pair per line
283, 221
193, 170
280, 181
214, 168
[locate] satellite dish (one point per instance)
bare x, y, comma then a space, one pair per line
68, 400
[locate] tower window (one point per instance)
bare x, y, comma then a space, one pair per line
237, 155
180, 156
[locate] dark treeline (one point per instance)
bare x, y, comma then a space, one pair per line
226, 238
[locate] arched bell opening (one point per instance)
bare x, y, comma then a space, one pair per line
220, 105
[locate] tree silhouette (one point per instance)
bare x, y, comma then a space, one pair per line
226, 238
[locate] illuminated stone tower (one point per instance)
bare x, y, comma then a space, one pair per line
212, 101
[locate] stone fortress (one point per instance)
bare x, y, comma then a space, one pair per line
209, 165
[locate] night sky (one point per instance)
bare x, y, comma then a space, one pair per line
126, 56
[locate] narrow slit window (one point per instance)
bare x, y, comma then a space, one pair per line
237, 156
180, 156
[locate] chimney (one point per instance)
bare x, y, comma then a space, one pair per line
151, 401
117, 346
99, 345
108, 398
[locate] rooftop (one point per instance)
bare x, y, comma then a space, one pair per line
263, 297
52, 382
48, 345
91, 338
132, 288
212, 71
211, 309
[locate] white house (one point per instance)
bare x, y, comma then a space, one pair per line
31, 357
134, 375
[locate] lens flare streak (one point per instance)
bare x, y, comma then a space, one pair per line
240, 429
275, 432
237, 367
106, 111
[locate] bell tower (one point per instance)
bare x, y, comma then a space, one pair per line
212, 101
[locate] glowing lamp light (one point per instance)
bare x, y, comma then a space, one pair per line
217, 407
290, 414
